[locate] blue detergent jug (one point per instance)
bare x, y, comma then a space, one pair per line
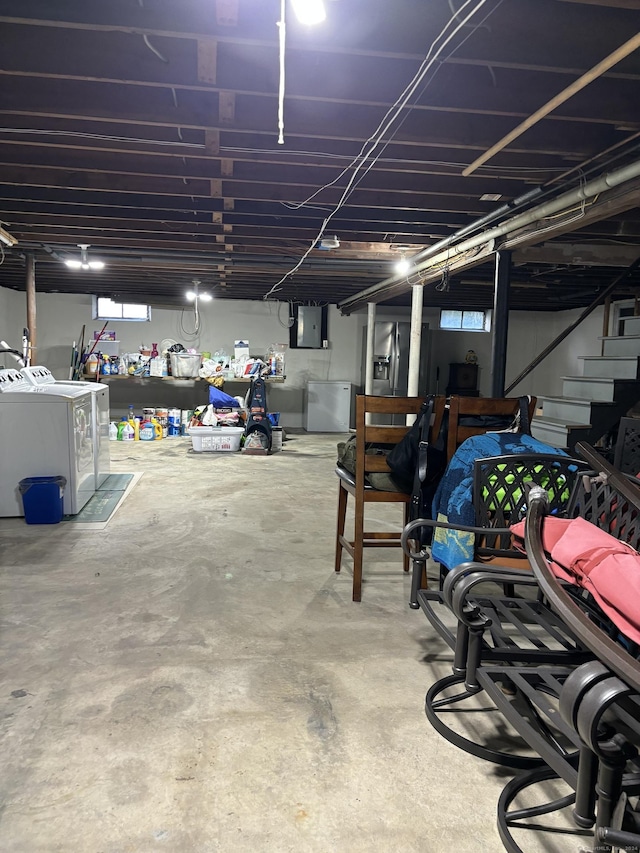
147, 431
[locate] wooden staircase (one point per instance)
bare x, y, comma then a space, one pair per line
593, 403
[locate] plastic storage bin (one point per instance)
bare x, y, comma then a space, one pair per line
185, 365
42, 499
217, 439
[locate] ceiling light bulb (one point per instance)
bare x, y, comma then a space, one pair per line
85, 266
309, 12
191, 295
96, 265
206, 297
73, 264
403, 266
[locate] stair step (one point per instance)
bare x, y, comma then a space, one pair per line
566, 409
620, 366
621, 345
554, 423
556, 432
592, 388
631, 325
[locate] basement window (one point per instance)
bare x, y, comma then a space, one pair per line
107, 309
464, 321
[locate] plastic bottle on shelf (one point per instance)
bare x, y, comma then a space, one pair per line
121, 426
113, 431
157, 427
154, 351
127, 432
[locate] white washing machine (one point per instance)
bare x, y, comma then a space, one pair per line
46, 431
40, 375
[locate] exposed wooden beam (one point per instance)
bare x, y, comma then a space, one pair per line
616, 56
396, 25
207, 61
425, 181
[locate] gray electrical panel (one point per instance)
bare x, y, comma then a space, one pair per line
310, 324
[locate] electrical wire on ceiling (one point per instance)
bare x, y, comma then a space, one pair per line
384, 127
236, 149
435, 68
145, 39
195, 332
326, 155
396, 108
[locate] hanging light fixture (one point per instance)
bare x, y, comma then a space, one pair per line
83, 262
402, 266
309, 12
195, 295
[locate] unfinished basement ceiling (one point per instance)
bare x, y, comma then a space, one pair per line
149, 130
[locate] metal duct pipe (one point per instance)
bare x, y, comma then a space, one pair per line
549, 208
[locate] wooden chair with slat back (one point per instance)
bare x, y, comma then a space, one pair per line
366, 464
467, 407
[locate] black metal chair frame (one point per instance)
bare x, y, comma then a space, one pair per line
598, 710
627, 450
499, 492
508, 629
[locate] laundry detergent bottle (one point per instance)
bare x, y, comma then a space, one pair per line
123, 423
147, 431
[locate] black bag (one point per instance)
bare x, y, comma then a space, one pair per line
420, 466
518, 423
381, 480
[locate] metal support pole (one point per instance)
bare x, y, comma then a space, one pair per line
368, 367
606, 315
415, 339
30, 280
500, 322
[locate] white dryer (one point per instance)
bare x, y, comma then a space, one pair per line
40, 375
46, 431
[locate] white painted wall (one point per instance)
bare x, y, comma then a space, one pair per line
13, 318
61, 316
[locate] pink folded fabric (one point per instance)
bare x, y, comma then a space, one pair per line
584, 555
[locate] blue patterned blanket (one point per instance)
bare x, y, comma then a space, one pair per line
452, 502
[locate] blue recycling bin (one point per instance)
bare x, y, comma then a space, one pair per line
42, 499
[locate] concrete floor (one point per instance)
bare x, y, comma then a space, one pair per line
195, 677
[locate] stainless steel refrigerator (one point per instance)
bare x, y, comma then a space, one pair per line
391, 360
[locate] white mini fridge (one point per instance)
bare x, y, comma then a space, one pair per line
330, 406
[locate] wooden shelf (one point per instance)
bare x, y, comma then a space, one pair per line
178, 379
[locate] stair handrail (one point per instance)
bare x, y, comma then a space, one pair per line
564, 334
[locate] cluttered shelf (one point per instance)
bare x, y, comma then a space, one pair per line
177, 379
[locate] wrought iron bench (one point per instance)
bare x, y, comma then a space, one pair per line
597, 709
494, 616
